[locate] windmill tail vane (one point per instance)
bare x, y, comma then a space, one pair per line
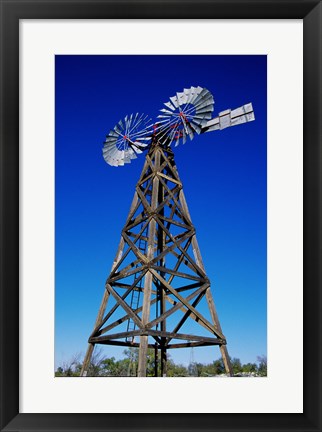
157, 295
186, 114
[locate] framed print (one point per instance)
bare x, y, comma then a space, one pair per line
187, 354
80, 73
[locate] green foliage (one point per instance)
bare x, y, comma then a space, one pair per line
262, 365
110, 367
236, 365
219, 367
250, 367
132, 356
176, 370
70, 368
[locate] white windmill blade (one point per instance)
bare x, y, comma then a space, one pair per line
203, 110
111, 161
196, 93
131, 153
137, 150
174, 101
113, 133
229, 118
129, 137
127, 156
193, 107
139, 144
184, 137
166, 111
195, 127
169, 105
120, 124
114, 155
188, 94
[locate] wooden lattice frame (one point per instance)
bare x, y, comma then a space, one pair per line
158, 218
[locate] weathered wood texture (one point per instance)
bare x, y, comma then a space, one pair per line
157, 274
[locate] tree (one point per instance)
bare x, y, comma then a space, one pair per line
111, 367
236, 365
193, 369
219, 367
262, 365
101, 366
176, 370
69, 368
59, 372
73, 366
250, 367
95, 367
132, 355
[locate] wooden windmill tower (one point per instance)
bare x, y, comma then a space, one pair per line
158, 294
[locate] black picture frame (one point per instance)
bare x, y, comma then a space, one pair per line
11, 12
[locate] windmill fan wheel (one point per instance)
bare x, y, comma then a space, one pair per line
185, 115
127, 139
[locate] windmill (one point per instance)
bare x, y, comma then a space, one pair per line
158, 281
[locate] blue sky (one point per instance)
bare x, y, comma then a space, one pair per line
224, 179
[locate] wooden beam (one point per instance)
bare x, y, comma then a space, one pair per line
127, 286
190, 345
147, 333
124, 274
160, 288
148, 276
87, 360
187, 314
148, 180
179, 274
170, 248
145, 168
114, 308
102, 308
188, 337
113, 336
145, 179
136, 236
171, 193
182, 258
184, 309
189, 286
124, 255
174, 222
124, 344
125, 306
121, 320
171, 179
132, 265
199, 270
176, 307
170, 164
226, 360
134, 249
145, 203
133, 208
211, 304
137, 221
182, 299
